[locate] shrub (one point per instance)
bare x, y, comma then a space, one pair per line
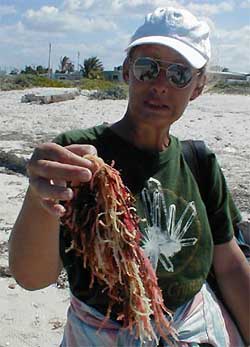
113, 93
22, 81
99, 84
230, 88
28, 81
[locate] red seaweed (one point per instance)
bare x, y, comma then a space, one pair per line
105, 232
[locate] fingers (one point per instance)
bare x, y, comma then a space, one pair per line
51, 152
48, 190
52, 166
81, 150
59, 171
64, 163
53, 208
58, 182
49, 194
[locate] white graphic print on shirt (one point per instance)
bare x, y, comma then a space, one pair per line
164, 236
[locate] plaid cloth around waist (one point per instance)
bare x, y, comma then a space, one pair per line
203, 320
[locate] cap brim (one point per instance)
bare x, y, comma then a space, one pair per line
188, 52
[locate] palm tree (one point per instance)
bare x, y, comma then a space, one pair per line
92, 68
66, 65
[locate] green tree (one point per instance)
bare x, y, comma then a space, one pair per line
92, 68
41, 70
29, 70
14, 71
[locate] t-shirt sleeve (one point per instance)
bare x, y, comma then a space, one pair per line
71, 137
90, 136
60, 140
222, 212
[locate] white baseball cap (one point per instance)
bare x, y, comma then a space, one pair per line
178, 29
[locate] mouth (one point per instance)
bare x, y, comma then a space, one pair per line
155, 105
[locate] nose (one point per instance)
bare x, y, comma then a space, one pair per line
160, 84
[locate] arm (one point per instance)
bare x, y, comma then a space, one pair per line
233, 276
34, 258
34, 245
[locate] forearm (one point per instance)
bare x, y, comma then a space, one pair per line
235, 288
34, 258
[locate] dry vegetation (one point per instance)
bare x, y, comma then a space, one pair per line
22, 81
106, 89
221, 87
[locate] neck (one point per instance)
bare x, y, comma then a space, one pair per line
143, 136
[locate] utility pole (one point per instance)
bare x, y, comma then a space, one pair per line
49, 71
78, 61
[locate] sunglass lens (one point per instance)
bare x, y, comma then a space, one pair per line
145, 69
179, 75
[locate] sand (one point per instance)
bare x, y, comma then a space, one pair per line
36, 318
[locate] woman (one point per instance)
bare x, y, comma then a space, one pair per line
165, 69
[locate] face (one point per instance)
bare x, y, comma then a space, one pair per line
157, 101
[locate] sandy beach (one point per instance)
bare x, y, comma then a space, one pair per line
36, 318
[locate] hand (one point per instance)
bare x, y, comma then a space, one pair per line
51, 167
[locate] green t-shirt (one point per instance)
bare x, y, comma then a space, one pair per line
179, 231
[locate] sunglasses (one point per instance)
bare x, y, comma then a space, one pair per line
146, 69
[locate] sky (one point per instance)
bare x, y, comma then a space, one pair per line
81, 29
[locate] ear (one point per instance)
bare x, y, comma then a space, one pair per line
199, 86
125, 70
